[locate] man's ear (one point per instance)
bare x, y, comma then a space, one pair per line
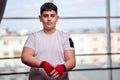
57, 18
40, 18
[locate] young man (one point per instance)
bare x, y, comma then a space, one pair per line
49, 52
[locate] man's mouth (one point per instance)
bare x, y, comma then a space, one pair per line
49, 23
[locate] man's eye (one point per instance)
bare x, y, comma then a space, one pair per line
45, 15
52, 15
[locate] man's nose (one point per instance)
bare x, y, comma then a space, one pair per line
49, 18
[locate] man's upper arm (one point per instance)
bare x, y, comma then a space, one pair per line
28, 51
69, 54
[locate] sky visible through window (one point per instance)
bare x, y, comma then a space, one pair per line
68, 8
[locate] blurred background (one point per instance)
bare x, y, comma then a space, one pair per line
94, 26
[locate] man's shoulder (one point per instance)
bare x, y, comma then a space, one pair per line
36, 32
62, 32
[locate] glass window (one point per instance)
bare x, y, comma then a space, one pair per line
21, 26
89, 75
85, 20
116, 60
81, 8
82, 25
115, 74
91, 61
115, 26
115, 5
23, 8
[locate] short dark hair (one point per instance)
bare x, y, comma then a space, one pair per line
48, 6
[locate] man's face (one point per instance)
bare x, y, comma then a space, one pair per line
49, 19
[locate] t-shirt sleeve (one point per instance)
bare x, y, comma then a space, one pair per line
68, 42
30, 42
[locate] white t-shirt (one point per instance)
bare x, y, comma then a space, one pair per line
50, 48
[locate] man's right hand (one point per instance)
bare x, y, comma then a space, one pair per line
47, 67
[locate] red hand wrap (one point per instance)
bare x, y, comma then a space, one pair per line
60, 69
47, 67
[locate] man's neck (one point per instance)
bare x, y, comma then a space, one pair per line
49, 31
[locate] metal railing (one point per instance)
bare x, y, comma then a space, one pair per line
86, 69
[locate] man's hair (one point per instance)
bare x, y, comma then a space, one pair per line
48, 6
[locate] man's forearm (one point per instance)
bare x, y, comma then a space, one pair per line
70, 64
